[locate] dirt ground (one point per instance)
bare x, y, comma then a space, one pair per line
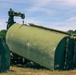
14, 70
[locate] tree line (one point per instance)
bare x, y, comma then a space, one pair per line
72, 31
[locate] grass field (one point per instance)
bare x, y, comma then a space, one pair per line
14, 70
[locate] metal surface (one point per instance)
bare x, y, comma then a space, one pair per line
4, 56
11, 15
36, 44
65, 57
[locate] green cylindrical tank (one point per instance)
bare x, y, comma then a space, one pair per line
41, 45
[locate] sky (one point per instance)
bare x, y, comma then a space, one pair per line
55, 14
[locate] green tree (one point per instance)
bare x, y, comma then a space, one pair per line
70, 31
74, 32
3, 33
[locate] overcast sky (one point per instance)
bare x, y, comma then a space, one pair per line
56, 14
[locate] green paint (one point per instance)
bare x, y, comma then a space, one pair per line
4, 56
36, 44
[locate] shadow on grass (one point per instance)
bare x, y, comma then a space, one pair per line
31, 65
